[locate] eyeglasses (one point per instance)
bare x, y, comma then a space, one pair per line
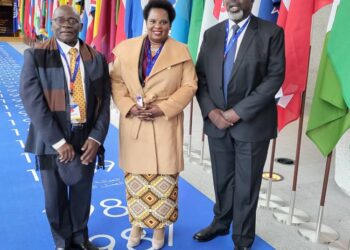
62, 20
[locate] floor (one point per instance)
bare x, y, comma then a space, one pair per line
309, 185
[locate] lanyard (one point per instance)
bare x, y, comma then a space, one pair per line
151, 61
73, 75
234, 37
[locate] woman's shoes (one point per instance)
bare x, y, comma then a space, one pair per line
158, 238
135, 236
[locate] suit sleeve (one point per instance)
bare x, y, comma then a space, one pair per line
34, 102
101, 125
120, 92
184, 94
204, 100
271, 82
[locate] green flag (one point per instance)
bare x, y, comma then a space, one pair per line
195, 27
329, 115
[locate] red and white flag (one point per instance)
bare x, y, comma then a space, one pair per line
295, 18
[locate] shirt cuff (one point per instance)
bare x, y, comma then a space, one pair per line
99, 143
58, 144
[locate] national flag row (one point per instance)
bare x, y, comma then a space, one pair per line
107, 22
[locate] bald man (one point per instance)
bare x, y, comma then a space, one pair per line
65, 89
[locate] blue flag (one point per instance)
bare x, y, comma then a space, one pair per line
133, 18
267, 9
15, 19
181, 24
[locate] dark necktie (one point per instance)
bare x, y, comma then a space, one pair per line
228, 63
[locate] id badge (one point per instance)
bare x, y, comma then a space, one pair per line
139, 101
75, 112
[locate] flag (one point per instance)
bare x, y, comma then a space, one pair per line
195, 27
266, 9
22, 15
16, 22
84, 17
133, 25
97, 17
329, 116
214, 12
120, 35
106, 29
91, 21
43, 18
295, 18
181, 24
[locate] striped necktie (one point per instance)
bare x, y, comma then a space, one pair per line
77, 86
228, 63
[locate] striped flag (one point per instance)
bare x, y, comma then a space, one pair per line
329, 116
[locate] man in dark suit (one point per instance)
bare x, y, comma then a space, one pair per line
240, 68
65, 89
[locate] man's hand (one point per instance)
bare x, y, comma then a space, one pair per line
216, 116
231, 116
89, 148
66, 153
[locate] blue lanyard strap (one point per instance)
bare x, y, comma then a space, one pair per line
151, 60
234, 37
73, 75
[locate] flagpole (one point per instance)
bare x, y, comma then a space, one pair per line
202, 149
189, 145
292, 215
318, 232
269, 200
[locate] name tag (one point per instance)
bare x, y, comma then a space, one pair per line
75, 113
139, 100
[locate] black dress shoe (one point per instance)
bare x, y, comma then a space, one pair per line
87, 245
242, 248
63, 248
209, 233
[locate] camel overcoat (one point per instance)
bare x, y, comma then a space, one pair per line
152, 147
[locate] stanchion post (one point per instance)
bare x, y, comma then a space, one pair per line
190, 131
272, 161
202, 149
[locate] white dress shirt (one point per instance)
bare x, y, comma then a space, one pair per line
230, 33
66, 48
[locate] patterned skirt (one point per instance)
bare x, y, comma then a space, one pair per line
152, 199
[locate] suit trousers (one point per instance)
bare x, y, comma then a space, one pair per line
237, 172
67, 207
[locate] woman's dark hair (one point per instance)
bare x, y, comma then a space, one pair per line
160, 4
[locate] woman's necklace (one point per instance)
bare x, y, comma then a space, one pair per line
154, 49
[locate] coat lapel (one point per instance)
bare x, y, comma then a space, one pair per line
217, 53
247, 39
167, 58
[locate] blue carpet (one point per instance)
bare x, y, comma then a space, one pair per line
23, 222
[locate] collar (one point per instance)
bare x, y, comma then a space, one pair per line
240, 24
65, 47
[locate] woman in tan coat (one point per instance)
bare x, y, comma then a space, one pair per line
153, 79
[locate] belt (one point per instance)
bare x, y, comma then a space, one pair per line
78, 126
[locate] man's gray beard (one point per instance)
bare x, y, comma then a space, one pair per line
238, 16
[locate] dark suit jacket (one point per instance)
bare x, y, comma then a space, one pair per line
44, 93
258, 74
